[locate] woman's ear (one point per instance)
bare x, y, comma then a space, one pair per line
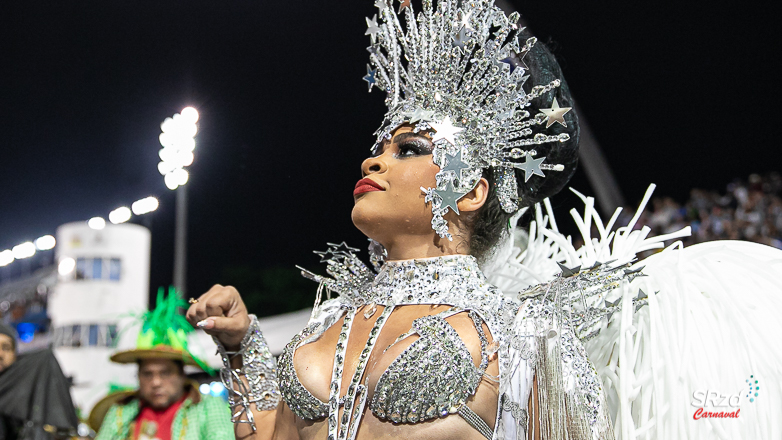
473, 200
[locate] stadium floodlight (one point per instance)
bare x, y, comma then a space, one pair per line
24, 250
66, 266
144, 206
45, 243
96, 223
178, 142
177, 138
6, 257
119, 215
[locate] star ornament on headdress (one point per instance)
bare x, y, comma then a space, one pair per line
374, 50
403, 4
450, 196
370, 77
555, 114
420, 115
460, 39
381, 5
465, 20
515, 61
445, 130
531, 167
372, 28
456, 164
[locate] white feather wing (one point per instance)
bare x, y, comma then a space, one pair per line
714, 314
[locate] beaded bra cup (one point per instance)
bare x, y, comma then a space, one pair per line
435, 375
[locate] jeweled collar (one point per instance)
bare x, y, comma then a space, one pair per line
453, 279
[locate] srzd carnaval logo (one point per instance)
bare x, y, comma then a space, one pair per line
714, 405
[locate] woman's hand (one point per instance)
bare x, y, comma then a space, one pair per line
221, 313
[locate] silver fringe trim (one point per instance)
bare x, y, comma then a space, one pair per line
570, 400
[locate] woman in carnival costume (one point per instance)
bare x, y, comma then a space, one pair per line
461, 335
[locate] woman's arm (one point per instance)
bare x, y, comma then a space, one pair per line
221, 313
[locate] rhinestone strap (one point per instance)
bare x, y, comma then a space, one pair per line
476, 320
336, 373
258, 369
475, 421
355, 386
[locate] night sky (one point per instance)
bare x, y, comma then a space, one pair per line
680, 96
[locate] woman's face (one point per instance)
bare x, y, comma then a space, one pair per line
388, 200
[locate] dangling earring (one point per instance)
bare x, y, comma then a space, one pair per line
377, 254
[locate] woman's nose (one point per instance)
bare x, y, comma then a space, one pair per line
373, 165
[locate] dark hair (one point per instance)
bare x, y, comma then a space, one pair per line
10, 332
490, 222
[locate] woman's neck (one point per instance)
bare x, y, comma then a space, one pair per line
414, 247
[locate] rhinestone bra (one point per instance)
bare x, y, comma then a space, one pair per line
435, 375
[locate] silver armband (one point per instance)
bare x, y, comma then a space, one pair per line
260, 371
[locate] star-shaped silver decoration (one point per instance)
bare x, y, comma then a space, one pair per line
456, 164
381, 5
342, 249
556, 114
461, 38
373, 49
465, 21
419, 114
596, 265
445, 130
370, 77
633, 274
515, 61
450, 195
372, 28
629, 272
403, 4
324, 256
568, 272
336, 252
611, 306
531, 167
641, 300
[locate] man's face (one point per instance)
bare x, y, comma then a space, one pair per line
7, 352
161, 382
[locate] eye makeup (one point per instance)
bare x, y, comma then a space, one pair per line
408, 145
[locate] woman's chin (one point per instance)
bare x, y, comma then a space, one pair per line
367, 220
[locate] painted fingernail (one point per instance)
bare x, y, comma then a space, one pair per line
202, 324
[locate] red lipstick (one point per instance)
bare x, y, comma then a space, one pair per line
366, 185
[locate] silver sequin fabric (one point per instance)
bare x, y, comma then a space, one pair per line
435, 375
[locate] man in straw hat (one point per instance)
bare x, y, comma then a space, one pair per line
166, 405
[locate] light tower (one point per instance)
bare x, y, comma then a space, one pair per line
178, 141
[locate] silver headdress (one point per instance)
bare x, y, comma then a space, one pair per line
457, 71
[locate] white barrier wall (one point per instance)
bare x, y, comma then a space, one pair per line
104, 277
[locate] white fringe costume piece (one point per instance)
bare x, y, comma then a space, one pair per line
713, 316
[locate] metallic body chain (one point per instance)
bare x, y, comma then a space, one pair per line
259, 370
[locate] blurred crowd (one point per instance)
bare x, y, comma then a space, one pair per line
749, 210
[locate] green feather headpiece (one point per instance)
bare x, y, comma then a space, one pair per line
164, 333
